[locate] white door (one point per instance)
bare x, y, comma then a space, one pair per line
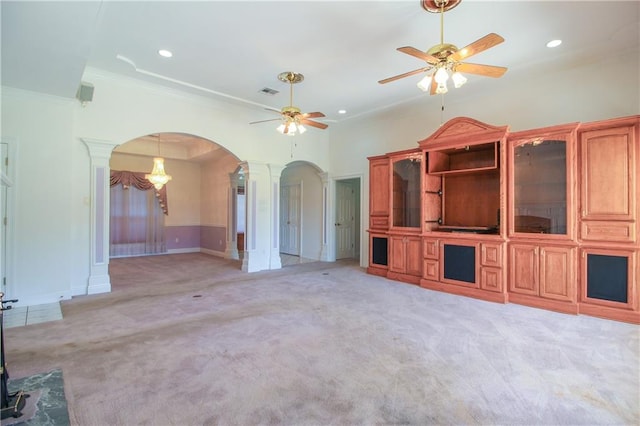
345, 220
290, 207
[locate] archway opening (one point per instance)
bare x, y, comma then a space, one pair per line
198, 213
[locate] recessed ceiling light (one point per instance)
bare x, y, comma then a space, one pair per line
554, 43
165, 53
342, 111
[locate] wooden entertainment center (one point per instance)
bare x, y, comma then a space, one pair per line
545, 218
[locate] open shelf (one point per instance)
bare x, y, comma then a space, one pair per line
464, 159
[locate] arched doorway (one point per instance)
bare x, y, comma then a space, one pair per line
198, 212
302, 213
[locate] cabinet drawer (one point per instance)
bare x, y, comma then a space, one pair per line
379, 222
491, 279
608, 231
491, 255
430, 249
431, 270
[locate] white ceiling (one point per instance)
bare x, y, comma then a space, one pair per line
233, 49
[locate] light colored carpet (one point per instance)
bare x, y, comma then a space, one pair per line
188, 339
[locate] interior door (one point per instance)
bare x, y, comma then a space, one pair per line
290, 213
345, 220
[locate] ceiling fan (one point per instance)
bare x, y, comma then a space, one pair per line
446, 58
293, 120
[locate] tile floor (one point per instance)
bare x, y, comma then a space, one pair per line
27, 315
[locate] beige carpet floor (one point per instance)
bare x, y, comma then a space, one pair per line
189, 339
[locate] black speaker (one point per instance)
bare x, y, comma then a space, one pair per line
85, 93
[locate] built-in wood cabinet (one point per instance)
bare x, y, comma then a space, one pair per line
546, 217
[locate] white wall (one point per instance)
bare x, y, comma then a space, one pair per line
48, 220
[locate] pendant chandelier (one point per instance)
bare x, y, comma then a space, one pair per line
158, 177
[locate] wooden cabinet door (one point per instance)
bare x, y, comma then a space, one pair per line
431, 247
491, 254
608, 174
379, 187
523, 269
431, 269
491, 279
557, 273
413, 255
398, 254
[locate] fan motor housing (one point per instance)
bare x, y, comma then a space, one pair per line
441, 51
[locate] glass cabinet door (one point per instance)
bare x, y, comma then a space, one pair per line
540, 186
406, 193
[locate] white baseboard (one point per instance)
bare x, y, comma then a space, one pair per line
212, 252
183, 250
42, 298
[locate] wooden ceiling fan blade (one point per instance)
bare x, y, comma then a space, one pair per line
418, 54
314, 123
434, 86
485, 70
476, 47
312, 115
406, 74
264, 121
274, 110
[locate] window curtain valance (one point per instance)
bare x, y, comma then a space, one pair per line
138, 180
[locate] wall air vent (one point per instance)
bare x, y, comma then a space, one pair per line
269, 91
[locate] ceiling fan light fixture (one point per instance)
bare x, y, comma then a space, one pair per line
458, 79
441, 76
301, 128
425, 83
281, 128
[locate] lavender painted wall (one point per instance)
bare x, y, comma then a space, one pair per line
213, 238
182, 237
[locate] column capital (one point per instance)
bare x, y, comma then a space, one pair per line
99, 148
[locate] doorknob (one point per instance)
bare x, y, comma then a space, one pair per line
337, 224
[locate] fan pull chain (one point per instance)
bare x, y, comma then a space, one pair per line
442, 109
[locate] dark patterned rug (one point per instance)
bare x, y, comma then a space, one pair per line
46, 404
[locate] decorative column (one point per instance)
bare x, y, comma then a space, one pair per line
232, 217
257, 235
327, 254
274, 258
100, 152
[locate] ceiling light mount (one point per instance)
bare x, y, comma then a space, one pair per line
290, 77
437, 6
